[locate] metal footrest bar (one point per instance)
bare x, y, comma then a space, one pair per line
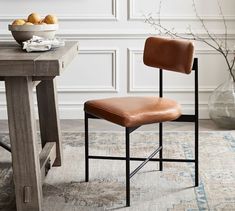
5, 146
145, 162
141, 159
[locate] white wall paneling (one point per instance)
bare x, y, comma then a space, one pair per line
143, 79
112, 35
71, 10
93, 71
179, 10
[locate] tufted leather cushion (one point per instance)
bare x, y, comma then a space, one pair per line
169, 54
134, 111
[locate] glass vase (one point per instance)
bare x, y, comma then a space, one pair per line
222, 104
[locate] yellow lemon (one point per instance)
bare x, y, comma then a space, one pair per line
34, 18
50, 19
28, 23
18, 22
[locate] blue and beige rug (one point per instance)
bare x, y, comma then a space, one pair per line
172, 189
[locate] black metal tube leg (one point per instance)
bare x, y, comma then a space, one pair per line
86, 150
196, 155
160, 145
127, 167
196, 126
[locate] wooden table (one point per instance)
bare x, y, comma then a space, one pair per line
21, 72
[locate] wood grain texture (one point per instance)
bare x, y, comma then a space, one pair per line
22, 71
23, 137
48, 116
47, 158
16, 62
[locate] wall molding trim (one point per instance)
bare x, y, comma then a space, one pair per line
74, 17
93, 89
180, 90
74, 110
103, 89
133, 89
132, 16
112, 34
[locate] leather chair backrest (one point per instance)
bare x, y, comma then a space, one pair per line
169, 54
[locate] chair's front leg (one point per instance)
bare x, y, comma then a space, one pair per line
160, 145
127, 167
86, 149
196, 154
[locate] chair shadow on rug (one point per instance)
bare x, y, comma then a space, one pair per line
5, 165
108, 194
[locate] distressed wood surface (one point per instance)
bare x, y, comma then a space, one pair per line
23, 138
16, 62
47, 157
22, 71
34, 78
48, 116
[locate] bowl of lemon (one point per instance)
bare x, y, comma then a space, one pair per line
24, 29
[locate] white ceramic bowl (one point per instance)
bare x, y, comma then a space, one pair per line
22, 33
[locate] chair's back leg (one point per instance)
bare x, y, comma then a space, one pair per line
86, 149
127, 167
196, 154
196, 124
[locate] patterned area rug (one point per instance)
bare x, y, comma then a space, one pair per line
172, 189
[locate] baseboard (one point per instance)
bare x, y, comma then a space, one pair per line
76, 112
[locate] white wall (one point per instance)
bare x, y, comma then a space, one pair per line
111, 35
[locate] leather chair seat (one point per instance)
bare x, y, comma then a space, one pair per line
134, 111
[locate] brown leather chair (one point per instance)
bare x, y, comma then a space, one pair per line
132, 112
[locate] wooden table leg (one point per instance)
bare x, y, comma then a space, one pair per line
48, 116
23, 137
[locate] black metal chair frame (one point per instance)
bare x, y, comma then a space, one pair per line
129, 130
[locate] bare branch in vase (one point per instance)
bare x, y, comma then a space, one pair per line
218, 44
